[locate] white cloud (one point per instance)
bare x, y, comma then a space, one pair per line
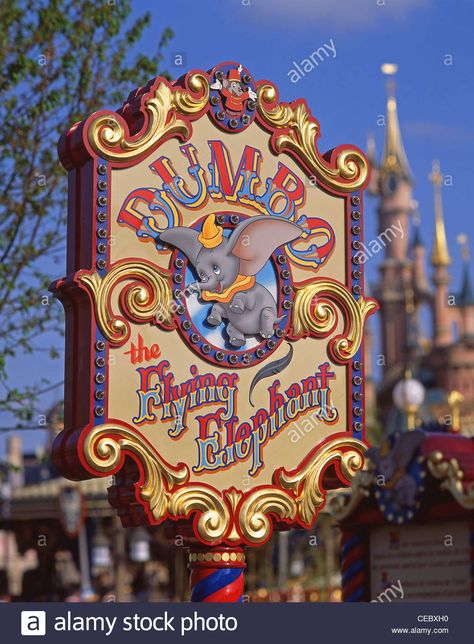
339, 14
437, 132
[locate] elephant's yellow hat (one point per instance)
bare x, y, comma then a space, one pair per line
210, 235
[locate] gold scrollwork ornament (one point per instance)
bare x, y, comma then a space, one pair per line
314, 311
449, 472
300, 133
168, 491
148, 297
253, 519
306, 483
214, 518
106, 445
109, 135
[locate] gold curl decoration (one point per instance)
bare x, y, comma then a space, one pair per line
192, 102
301, 132
233, 497
214, 518
254, 522
280, 115
109, 135
314, 312
449, 472
232, 514
150, 299
105, 445
163, 488
306, 483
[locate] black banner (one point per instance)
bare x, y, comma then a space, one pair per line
371, 623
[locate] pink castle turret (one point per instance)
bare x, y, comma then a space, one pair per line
442, 354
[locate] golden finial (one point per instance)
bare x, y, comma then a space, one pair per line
455, 399
394, 159
440, 255
435, 176
463, 242
389, 69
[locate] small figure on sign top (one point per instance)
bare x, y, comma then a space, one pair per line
234, 91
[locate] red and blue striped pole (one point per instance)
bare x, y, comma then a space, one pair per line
354, 567
217, 574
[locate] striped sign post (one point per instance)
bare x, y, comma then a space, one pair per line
217, 575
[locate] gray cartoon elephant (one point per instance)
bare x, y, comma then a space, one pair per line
392, 465
226, 268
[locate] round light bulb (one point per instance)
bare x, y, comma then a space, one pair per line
408, 393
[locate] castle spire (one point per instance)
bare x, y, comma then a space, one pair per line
371, 153
371, 150
394, 159
417, 239
440, 255
466, 295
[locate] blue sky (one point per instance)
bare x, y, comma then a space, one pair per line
346, 92
431, 41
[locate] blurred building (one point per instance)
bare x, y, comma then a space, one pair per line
427, 323
415, 530
41, 561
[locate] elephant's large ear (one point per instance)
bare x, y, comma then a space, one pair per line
254, 240
406, 445
186, 239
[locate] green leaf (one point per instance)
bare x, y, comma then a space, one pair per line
60, 60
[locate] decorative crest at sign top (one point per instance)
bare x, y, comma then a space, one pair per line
215, 308
295, 130
109, 135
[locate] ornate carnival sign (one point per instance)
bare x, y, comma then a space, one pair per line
215, 308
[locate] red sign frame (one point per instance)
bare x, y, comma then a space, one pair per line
147, 489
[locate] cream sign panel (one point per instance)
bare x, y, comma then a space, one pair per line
218, 278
